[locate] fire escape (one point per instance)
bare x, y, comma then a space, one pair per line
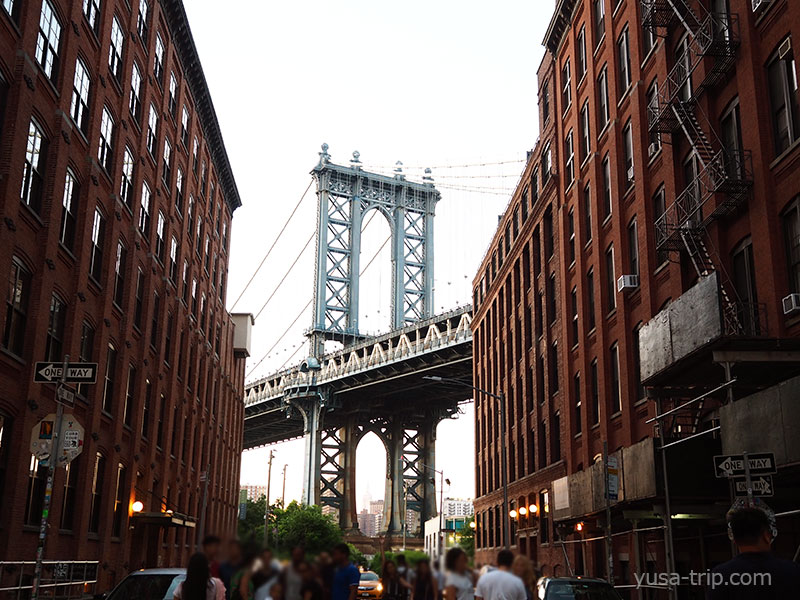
722, 175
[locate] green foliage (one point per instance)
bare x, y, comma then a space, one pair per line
305, 526
412, 558
357, 556
251, 529
467, 541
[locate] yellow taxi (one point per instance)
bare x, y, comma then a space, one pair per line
370, 586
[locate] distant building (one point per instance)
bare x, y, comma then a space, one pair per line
451, 527
458, 507
369, 523
254, 492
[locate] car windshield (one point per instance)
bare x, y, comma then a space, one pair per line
580, 590
369, 577
147, 587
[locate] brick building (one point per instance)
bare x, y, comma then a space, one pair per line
646, 263
117, 196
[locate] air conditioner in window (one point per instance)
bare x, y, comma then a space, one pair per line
652, 149
630, 174
757, 4
627, 282
791, 304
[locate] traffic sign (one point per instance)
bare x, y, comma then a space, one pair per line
48, 372
65, 395
762, 486
613, 478
71, 443
732, 465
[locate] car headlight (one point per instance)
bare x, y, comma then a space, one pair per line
380, 587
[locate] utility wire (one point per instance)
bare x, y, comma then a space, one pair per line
285, 275
272, 247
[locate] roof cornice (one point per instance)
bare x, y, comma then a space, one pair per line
178, 24
559, 24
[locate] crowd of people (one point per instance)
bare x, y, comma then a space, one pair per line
248, 574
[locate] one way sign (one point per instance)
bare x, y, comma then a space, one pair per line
76, 372
762, 486
733, 464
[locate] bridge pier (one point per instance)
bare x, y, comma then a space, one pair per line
311, 409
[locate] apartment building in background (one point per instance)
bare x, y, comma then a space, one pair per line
255, 492
117, 196
646, 266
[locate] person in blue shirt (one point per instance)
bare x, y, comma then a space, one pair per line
347, 576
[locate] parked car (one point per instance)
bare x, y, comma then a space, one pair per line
370, 586
147, 584
575, 588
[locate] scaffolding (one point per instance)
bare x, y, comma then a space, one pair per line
61, 579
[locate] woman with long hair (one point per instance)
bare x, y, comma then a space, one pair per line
199, 585
522, 567
458, 583
394, 586
424, 583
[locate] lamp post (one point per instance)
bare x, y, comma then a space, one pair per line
501, 400
442, 481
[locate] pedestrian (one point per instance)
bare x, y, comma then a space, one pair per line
266, 574
347, 577
242, 587
522, 567
403, 568
311, 588
211, 545
230, 565
459, 584
772, 578
395, 586
425, 587
501, 583
291, 577
199, 584
438, 575
326, 570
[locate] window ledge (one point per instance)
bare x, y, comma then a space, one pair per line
784, 155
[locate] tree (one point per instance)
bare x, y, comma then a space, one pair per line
251, 528
467, 541
305, 526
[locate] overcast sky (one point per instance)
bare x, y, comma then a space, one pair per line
434, 83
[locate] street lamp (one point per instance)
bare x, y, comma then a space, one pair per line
501, 400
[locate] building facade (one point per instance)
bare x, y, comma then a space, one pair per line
254, 492
663, 190
458, 507
117, 197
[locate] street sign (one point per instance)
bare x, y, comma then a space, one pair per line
732, 465
72, 433
47, 372
65, 395
613, 478
762, 486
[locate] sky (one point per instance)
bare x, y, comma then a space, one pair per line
431, 83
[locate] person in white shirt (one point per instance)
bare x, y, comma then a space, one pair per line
459, 584
501, 584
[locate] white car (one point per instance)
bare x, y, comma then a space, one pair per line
147, 584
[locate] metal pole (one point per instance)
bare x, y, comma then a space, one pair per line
283, 490
441, 514
747, 479
202, 531
266, 510
504, 468
405, 514
609, 543
668, 542
52, 461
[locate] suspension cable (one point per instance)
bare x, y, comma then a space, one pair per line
285, 275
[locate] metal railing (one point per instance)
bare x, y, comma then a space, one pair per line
61, 579
750, 319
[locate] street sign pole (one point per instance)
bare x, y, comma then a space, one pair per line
609, 543
748, 480
52, 462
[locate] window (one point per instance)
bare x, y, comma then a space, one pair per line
126, 187
574, 305
207, 253
616, 401
545, 102
225, 237
198, 248
144, 211
569, 151
731, 126
173, 261
547, 163
119, 274
173, 94
158, 60
587, 213
571, 233
652, 115
86, 353
154, 320
195, 159
624, 52
185, 291
637, 364
194, 298
544, 517
580, 54
782, 74
139, 300
33, 171
53, 350
185, 127
744, 283
551, 299
576, 386
190, 220
555, 437
141, 20
135, 102
79, 108
160, 423
586, 143
203, 311
203, 178
168, 338
590, 297
549, 240
566, 90
683, 57
791, 229
120, 502
108, 382
611, 280
166, 174
152, 130
659, 208
694, 185
11, 6
627, 149
595, 390
633, 247
160, 237
71, 470
105, 150
602, 100
97, 493
179, 191
130, 396
648, 40
115, 50
606, 187
69, 209
148, 398
96, 249
47, 41
4, 87
37, 481
222, 287
91, 8
599, 11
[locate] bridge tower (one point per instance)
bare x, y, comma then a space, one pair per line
345, 194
